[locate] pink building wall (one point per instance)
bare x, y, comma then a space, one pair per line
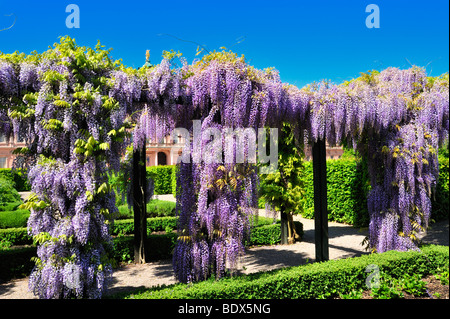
163, 152
6, 149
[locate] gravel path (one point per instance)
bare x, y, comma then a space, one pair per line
344, 241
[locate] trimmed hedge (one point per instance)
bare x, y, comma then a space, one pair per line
155, 208
14, 219
16, 236
16, 263
270, 234
440, 202
317, 280
347, 188
126, 226
18, 218
8, 194
259, 236
164, 178
157, 247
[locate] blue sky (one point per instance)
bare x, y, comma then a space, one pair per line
305, 40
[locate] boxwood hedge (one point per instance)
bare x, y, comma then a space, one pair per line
347, 188
317, 280
16, 262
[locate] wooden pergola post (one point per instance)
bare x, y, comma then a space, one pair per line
320, 200
284, 228
139, 205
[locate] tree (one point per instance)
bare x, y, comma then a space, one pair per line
283, 190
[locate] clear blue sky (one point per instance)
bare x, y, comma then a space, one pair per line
305, 40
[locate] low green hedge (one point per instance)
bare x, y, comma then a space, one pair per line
10, 206
126, 226
16, 263
267, 236
155, 208
270, 234
14, 219
158, 246
18, 218
16, 236
317, 280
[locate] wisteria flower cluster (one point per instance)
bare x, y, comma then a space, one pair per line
75, 107
216, 200
397, 119
75, 133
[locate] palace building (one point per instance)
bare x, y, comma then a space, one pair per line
163, 152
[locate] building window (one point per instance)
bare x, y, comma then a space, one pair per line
2, 138
162, 158
2, 162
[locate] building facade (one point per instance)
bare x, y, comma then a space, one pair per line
6, 149
163, 152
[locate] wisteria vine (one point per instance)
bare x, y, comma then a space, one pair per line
65, 105
74, 106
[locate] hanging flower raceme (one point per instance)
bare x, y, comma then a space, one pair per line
398, 119
216, 193
78, 133
74, 106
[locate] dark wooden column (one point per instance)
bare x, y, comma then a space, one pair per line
320, 200
139, 204
284, 228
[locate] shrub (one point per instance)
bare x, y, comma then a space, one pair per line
347, 188
8, 194
16, 263
163, 178
440, 202
16, 236
269, 234
155, 208
346, 192
14, 219
10, 206
158, 246
17, 177
317, 280
126, 226
160, 208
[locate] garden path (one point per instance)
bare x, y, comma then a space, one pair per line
344, 241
